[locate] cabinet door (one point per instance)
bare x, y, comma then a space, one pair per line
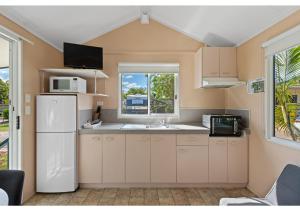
90, 159
210, 62
198, 72
163, 158
217, 160
228, 62
192, 164
238, 159
192, 139
137, 158
114, 158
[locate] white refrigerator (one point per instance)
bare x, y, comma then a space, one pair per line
56, 144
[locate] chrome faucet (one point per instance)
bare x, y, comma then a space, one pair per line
163, 123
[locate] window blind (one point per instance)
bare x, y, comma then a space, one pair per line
148, 68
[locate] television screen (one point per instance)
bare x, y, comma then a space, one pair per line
83, 56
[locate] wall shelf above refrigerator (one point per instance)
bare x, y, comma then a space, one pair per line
84, 73
74, 72
62, 93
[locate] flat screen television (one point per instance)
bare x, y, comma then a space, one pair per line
83, 56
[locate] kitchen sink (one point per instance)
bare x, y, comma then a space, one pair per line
148, 127
134, 127
161, 127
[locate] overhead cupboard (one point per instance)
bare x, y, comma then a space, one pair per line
216, 61
216, 67
112, 160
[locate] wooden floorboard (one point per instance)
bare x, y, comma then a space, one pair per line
140, 196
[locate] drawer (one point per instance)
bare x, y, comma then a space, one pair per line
192, 139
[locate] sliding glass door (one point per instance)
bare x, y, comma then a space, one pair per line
10, 111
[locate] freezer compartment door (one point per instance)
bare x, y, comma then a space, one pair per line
56, 162
56, 113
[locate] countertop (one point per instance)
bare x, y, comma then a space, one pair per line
192, 128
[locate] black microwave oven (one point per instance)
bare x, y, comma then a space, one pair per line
223, 125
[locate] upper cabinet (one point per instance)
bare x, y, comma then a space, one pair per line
214, 62
211, 62
227, 62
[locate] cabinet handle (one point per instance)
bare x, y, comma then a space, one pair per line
234, 142
109, 138
220, 142
192, 140
156, 140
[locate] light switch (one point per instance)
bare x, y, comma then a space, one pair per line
99, 103
27, 110
27, 98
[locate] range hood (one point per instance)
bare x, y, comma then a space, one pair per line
221, 82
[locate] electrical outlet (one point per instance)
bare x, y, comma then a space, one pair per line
27, 98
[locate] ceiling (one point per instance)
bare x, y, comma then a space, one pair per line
214, 25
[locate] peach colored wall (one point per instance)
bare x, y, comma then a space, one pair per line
135, 42
34, 57
266, 159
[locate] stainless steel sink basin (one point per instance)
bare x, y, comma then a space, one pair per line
148, 127
161, 127
134, 127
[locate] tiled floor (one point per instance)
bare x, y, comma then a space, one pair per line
140, 196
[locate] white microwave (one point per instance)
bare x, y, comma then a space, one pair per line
67, 84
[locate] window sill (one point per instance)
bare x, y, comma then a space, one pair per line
285, 142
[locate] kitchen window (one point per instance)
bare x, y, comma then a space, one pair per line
148, 90
282, 56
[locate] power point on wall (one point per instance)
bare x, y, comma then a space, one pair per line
99, 103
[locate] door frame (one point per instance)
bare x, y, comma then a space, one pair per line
16, 96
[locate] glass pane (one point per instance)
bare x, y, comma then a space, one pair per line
4, 117
286, 94
62, 84
162, 93
134, 93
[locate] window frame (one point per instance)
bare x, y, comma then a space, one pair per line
284, 41
149, 115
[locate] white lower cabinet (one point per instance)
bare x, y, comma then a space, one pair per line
137, 158
90, 159
114, 158
218, 159
238, 159
163, 158
192, 164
